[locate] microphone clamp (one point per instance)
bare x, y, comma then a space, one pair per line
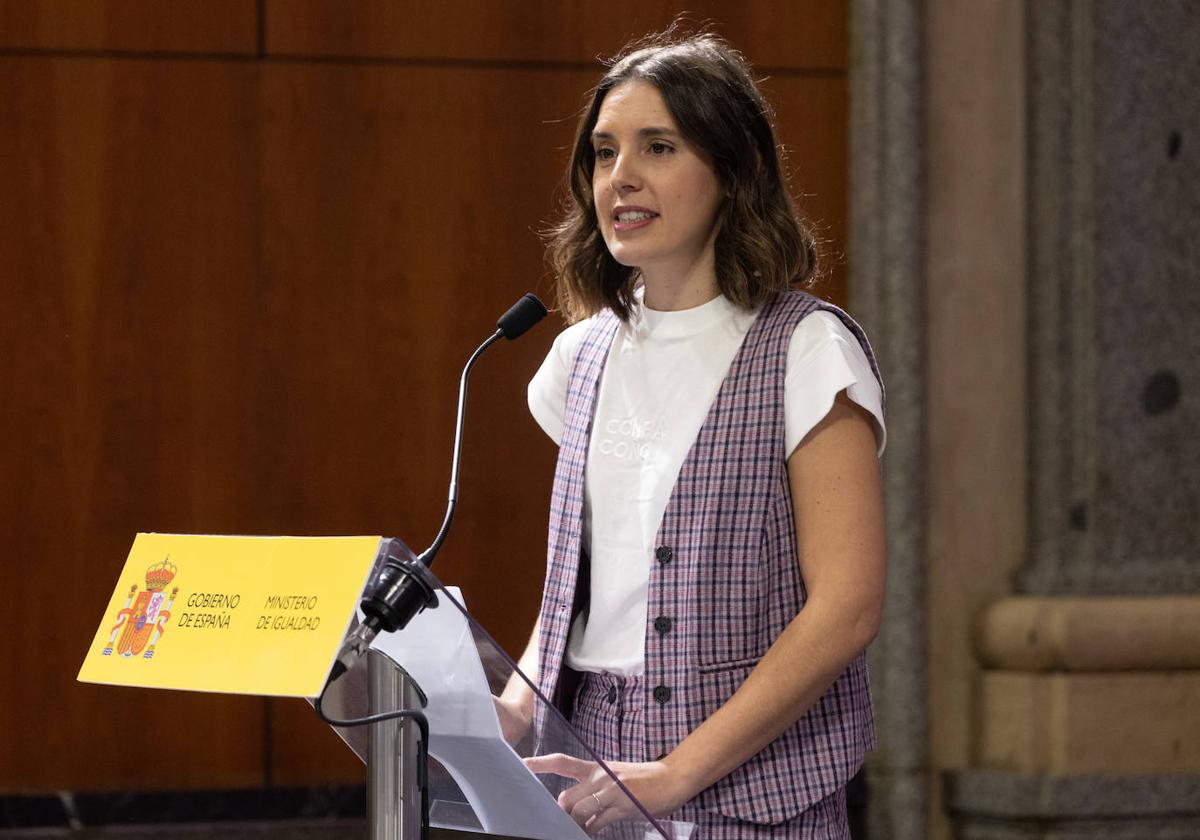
399, 593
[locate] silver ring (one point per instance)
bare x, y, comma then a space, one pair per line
599, 804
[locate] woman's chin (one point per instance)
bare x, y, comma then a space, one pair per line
624, 257
627, 254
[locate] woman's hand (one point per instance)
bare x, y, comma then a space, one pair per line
597, 801
515, 718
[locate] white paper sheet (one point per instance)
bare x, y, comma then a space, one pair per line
437, 649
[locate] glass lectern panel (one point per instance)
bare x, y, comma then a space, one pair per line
477, 780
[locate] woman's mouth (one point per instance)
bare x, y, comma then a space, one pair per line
632, 219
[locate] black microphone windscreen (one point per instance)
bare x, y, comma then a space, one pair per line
521, 316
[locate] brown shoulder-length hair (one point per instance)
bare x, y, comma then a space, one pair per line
762, 245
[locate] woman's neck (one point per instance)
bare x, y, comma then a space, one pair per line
668, 292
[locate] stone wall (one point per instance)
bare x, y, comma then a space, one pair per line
1114, 218
1086, 704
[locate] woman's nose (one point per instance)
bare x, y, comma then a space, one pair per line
625, 177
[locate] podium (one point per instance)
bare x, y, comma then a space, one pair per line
266, 616
447, 665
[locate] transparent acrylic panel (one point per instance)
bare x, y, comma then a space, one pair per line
477, 781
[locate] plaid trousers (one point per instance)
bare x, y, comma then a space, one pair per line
608, 716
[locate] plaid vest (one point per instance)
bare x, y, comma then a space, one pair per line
725, 573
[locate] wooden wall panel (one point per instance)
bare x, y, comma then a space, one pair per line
401, 209
213, 26
813, 130
304, 751
236, 297
128, 238
808, 34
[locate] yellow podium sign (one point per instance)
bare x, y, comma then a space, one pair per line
241, 615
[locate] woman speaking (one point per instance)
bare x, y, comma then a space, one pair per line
715, 566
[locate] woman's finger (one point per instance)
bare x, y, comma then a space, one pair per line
583, 803
570, 801
561, 765
585, 796
609, 815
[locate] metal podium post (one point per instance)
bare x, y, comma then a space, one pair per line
393, 791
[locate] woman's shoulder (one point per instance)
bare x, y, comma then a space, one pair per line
547, 392
566, 343
562, 352
820, 326
793, 306
819, 322
825, 357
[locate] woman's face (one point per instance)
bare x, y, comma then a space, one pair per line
656, 195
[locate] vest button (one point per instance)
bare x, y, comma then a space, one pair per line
662, 624
661, 694
664, 554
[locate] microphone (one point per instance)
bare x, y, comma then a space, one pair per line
402, 592
521, 316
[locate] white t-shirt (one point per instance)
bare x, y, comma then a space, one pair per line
662, 374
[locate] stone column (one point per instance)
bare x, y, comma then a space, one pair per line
976, 334
887, 253
1088, 722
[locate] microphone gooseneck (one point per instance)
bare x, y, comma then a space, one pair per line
426, 556
401, 593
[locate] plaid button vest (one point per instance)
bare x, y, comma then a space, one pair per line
725, 578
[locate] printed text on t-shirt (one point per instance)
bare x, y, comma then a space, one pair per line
630, 439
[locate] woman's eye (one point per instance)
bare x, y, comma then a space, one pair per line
604, 154
660, 148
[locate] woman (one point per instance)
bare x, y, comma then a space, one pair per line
716, 558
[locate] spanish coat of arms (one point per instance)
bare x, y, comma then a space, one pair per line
141, 623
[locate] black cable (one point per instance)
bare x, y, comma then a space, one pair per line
378, 717
422, 746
